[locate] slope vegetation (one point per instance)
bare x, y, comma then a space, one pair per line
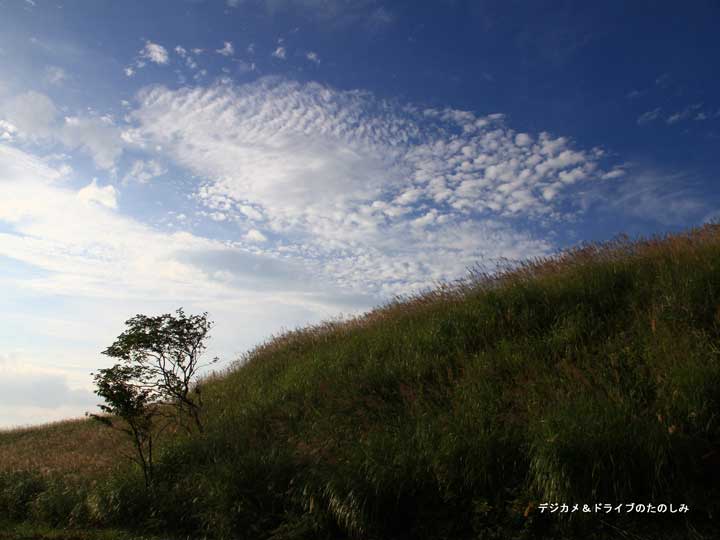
592, 378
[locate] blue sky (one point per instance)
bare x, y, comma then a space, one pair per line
282, 162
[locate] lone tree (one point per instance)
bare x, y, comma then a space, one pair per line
165, 350
127, 398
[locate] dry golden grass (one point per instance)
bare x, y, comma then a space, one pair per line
82, 446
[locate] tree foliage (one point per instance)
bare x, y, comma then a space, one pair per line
159, 360
129, 400
166, 351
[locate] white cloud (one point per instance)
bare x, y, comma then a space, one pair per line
129, 72
89, 252
409, 197
250, 212
280, 53
648, 116
190, 60
253, 235
573, 175
154, 52
616, 173
98, 253
7, 131
523, 139
685, 114
227, 49
360, 189
33, 114
35, 117
313, 57
144, 171
96, 135
94, 194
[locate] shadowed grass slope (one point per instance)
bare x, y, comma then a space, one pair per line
592, 377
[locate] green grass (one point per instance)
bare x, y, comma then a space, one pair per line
592, 377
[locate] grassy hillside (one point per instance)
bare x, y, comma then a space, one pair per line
590, 378
72, 447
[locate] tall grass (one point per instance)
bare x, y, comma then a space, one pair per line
591, 377
72, 447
